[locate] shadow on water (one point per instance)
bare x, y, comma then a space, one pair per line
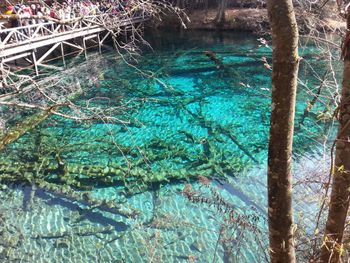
234, 191
56, 200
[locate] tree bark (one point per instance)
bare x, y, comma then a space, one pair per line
284, 84
339, 204
220, 17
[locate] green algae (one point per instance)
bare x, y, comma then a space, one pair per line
202, 124
23, 127
210, 119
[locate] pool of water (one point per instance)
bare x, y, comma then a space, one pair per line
186, 150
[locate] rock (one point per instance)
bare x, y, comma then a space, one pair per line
196, 246
61, 243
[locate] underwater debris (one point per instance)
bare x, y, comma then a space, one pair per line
211, 55
20, 174
80, 231
24, 126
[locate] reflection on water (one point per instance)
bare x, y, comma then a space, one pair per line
198, 116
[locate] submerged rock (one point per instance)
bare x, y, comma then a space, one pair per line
61, 244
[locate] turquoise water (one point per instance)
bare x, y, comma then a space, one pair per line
191, 119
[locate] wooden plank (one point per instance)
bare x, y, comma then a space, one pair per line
62, 52
91, 36
48, 52
72, 45
50, 66
99, 44
3, 75
35, 64
16, 57
105, 37
7, 30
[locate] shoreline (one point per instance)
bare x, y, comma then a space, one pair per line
250, 20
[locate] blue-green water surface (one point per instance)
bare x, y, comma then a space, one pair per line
185, 117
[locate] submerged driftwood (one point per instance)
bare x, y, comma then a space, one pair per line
53, 170
32, 173
23, 127
211, 55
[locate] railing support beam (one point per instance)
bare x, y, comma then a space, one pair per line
35, 64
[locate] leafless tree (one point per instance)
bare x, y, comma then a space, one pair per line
55, 95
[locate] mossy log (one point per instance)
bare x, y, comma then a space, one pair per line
214, 132
211, 55
27, 173
85, 177
23, 127
63, 176
234, 139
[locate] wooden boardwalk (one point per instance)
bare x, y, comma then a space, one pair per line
27, 43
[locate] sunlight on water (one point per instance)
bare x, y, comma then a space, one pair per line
193, 118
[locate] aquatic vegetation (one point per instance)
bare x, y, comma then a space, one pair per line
23, 127
109, 190
208, 130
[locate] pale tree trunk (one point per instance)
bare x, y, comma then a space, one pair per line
220, 17
339, 203
284, 84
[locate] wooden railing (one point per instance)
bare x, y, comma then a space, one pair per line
11, 37
2, 26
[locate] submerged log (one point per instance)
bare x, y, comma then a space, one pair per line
82, 231
210, 54
241, 147
85, 197
234, 139
229, 69
23, 127
183, 71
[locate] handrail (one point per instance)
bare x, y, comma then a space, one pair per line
26, 34
2, 26
25, 27
73, 20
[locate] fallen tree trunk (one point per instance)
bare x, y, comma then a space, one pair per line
23, 127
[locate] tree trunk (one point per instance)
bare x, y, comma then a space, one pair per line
220, 17
284, 85
339, 203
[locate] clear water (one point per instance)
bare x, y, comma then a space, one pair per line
193, 119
